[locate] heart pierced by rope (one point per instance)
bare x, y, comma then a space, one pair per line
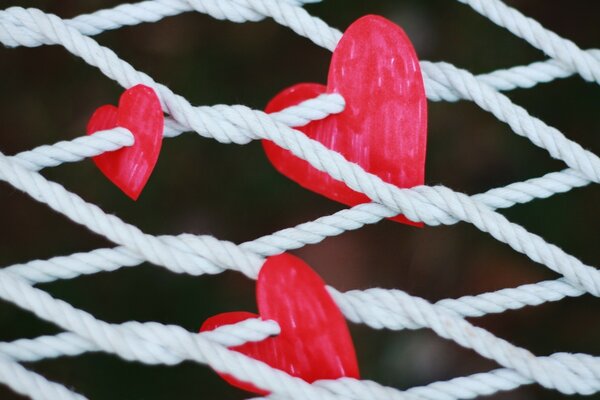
384, 125
139, 111
314, 342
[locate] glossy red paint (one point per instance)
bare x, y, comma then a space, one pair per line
139, 111
384, 125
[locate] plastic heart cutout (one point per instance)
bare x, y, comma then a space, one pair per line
314, 342
139, 111
384, 125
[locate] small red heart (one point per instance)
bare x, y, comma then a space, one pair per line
139, 111
314, 342
384, 125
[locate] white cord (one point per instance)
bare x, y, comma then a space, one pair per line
393, 309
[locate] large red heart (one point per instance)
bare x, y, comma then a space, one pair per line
314, 342
384, 125
139, 111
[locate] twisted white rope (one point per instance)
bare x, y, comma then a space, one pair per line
132, 14
56, 31
155, 10
534, 33
477, 91
71, 344
143, 344
63, 189
152, 11
478, 339
74, 150
438, 205
161, 250
31, 384
160, 344
313, 232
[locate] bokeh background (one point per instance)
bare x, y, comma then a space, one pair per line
231, 191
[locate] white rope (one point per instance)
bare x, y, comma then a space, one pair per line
152, 11
144, 345
468, 85
392, 309
157, 345
56, 31
32, 384
440, 205
74, 150
71, 344
162, 251
534, 33
482, 342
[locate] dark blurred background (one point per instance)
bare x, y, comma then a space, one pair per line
230, 191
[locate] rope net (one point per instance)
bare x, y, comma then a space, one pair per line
155, 343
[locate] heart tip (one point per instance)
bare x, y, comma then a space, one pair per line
133, 197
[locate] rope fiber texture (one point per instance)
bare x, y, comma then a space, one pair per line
154, 343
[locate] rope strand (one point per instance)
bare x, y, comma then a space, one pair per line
392, 309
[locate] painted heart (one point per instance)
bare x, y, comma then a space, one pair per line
139, 111
384, 125
314, 342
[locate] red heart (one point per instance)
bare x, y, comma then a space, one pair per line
384, 125
314, 342
139, 111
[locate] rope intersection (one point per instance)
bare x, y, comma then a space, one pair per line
155, 343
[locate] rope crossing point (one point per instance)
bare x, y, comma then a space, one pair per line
155, 343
